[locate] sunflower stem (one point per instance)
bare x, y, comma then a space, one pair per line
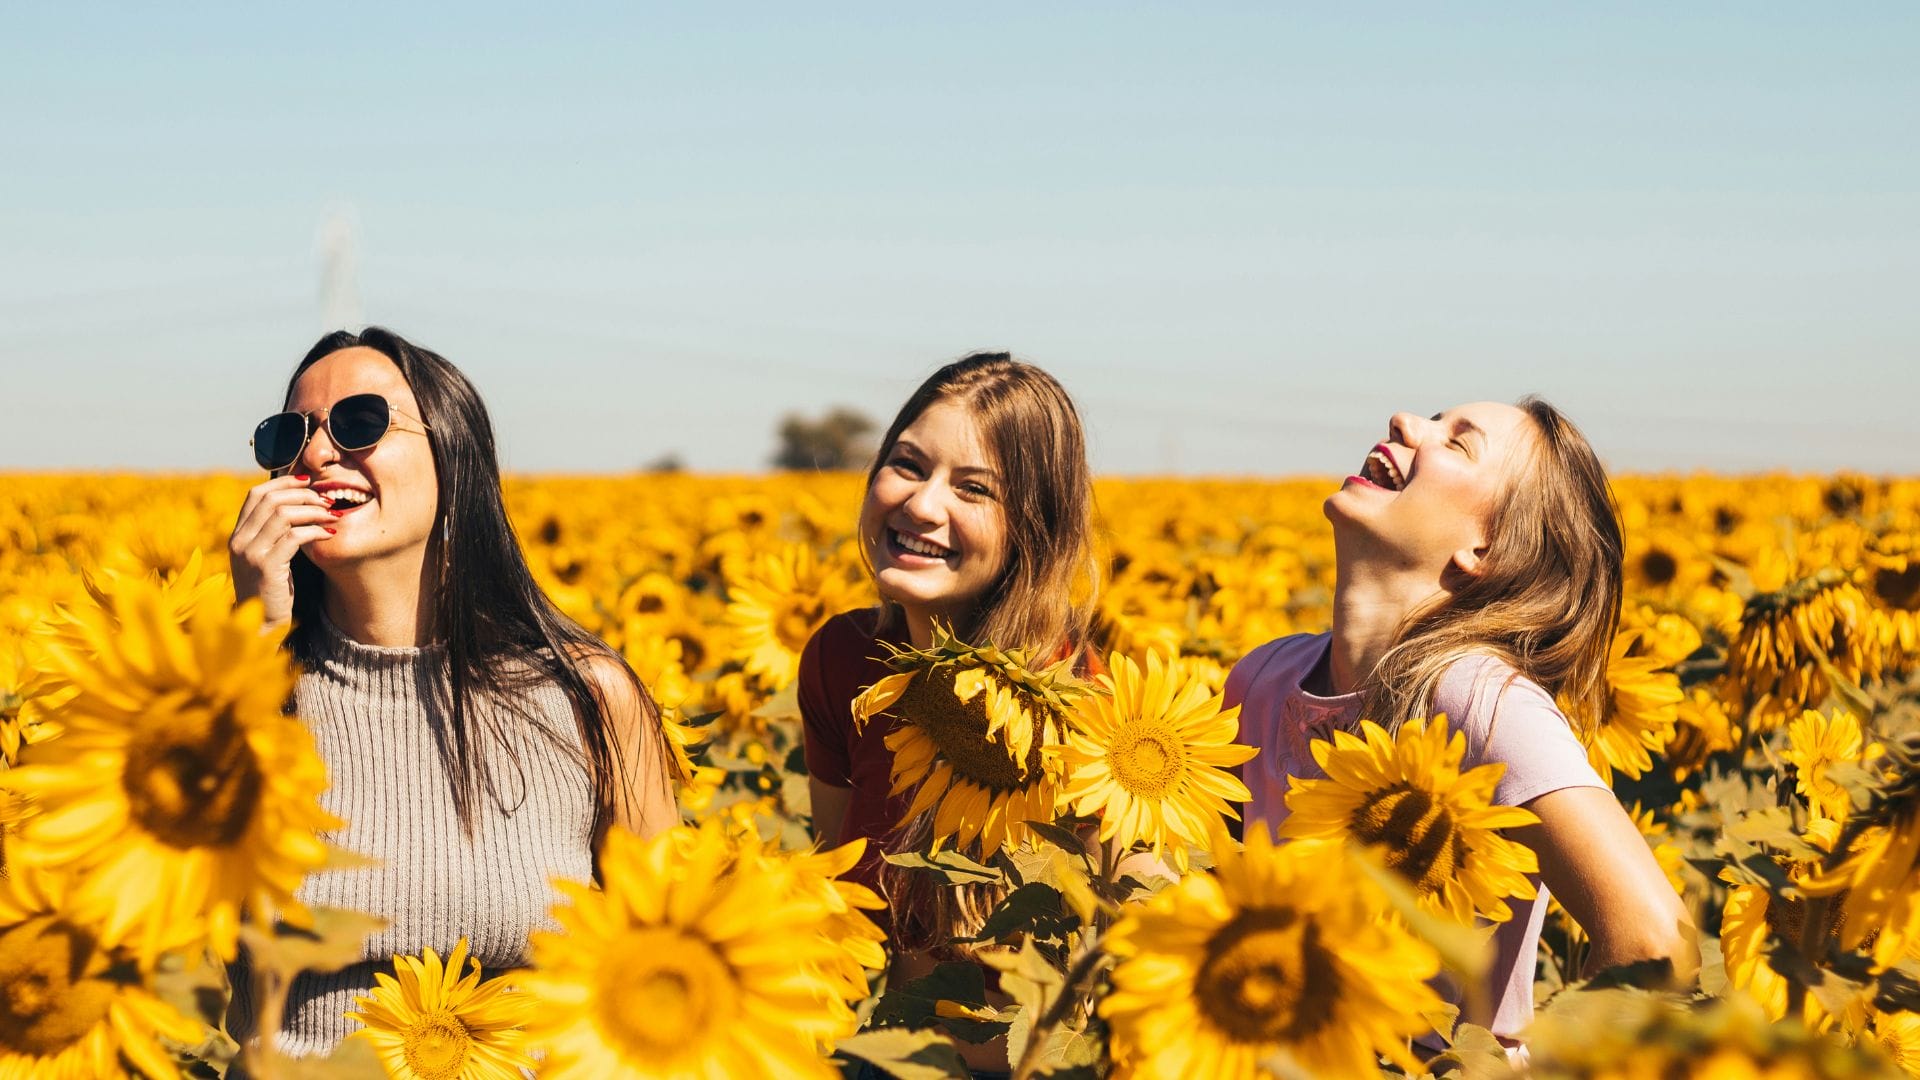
1056, 1013
1812, 946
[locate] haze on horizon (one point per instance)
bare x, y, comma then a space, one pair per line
1242, 236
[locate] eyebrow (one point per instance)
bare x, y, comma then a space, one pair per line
1464, 426
969, 470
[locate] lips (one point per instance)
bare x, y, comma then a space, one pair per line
1381, 470
912, 547
344, 499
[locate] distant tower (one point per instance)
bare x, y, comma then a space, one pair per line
338, 245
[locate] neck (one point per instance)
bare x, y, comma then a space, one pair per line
919, 626
382, 603
1368, 608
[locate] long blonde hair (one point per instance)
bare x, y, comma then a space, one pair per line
1546, 599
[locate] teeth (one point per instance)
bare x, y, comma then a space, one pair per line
919, 546
1384, 471
348, 495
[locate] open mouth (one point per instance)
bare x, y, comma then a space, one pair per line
901, 543
1380, 470
346, 500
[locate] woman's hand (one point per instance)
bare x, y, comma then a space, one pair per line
278, 517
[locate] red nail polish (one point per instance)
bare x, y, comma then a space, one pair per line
338, 513
303, 477
330, 531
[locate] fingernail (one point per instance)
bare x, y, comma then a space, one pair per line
330, 530
338, 513
301, 476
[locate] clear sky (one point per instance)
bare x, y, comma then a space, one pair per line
1242, 236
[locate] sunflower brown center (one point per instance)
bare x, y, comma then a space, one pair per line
47, 1001
668, 994
436, 1046
796, 621
194, 781
1899, 588
959, 729
1266, 978
1418, 833
1148, 761
1659, 567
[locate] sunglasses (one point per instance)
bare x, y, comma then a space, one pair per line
353, 423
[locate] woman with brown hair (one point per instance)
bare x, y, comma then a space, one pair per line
1478, 574
978, 515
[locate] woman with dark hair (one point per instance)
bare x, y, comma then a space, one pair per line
478, 742
1478, 575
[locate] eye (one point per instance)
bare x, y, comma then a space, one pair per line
975, 489
905, 465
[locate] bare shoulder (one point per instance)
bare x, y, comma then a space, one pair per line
615, 683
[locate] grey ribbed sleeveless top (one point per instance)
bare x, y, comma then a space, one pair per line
373, 715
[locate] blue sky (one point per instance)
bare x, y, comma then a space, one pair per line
1241, 235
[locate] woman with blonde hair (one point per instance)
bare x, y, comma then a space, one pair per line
1478, 575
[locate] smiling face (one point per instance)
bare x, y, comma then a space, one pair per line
389, 492
1425, 497
933, 524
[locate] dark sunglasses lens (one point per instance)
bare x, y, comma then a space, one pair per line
278, 439
358, 422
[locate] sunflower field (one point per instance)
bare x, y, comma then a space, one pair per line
158, 811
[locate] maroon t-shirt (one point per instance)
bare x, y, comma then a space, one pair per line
843, 658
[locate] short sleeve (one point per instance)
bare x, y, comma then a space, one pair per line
827, 726
1509, 719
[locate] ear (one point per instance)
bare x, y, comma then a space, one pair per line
1468, 561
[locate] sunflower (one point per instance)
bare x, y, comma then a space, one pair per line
1817, 742
1643, 704
980, 738
1281, 950
1439, 829
23, 705
1893, 579
1876, 862
70, 1005
776, 608
435, 1021
179, 793
692, 961
1898, 1037
1790, 634
1149, 759
1701, 730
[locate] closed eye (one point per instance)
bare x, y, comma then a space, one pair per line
905, 465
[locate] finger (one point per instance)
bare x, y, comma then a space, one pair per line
250, 528
282, 552
277, 524
266, 487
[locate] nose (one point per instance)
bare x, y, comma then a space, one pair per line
1404, 428
319, 451
924, 504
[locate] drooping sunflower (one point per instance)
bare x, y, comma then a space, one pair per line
431, 1020
1892, 574
777, 606
979, 740
1436, 826
1816, 742
1280, 950
1898, 1037
1775, 663
179, 793
1875, 862
692, 961
70, 1005
1149, 756
1701, 730
1643, 704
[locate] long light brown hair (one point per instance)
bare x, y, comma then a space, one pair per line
1042, 598
1545, 600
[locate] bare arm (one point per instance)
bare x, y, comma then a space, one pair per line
829, 810
1599, 867
643, 793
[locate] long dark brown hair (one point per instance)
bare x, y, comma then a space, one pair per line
1546, 599
1042, 599
500, 632
1040, 602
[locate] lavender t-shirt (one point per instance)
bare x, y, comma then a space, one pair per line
1506, 718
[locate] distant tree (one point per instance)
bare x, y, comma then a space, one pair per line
669, 462
841, 439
